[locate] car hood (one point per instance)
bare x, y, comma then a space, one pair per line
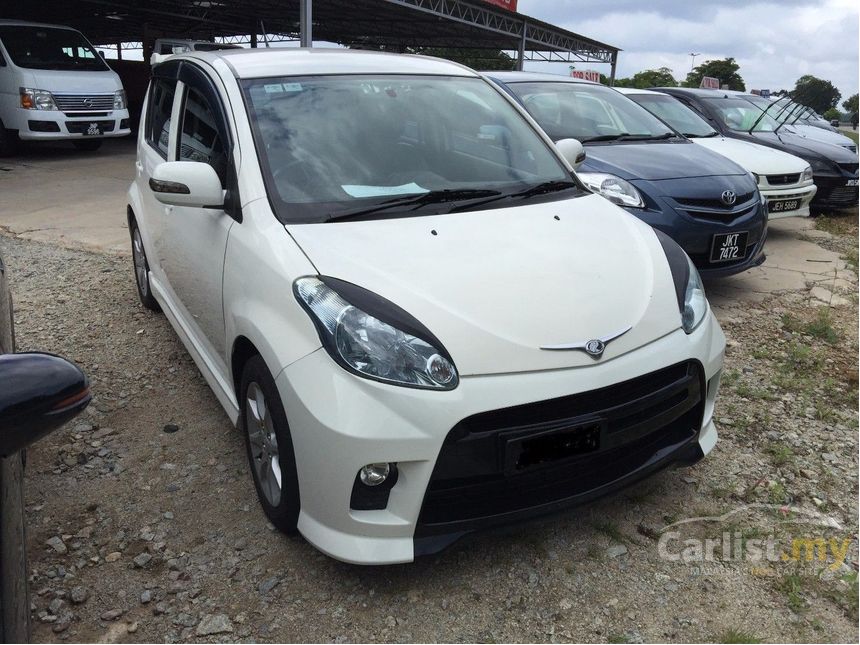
73, 82
496, 285
754, 157
803, 145
820, 134
655, 161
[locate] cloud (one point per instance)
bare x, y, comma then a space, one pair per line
774, 44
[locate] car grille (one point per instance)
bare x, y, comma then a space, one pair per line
84, 102
849, 167
851, 147
80, 127
697, 202
552, 452
783, 180
835, 196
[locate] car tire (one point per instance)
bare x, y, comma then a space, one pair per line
8, 141
88, 145
269, 444
141, 269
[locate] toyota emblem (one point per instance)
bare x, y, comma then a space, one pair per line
728, 197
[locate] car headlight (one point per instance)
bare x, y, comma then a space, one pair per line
32, 99
379, 341
756, 178
695, 302
824, 166
119, 101
689, 291
806, 174
615, 189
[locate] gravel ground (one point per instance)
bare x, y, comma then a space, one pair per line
144, 526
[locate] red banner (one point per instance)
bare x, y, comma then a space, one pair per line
504, 4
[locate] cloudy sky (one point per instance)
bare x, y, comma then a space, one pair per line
774, 42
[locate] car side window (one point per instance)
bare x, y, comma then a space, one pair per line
158, 121
200, 139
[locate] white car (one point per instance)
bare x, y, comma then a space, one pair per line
54, 86
784, 180
401, 293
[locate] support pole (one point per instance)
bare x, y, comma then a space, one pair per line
119, 51
305, 23
612, 71
254, 38
521, 51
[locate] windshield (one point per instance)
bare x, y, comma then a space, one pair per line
740, 115
676, 114
50, 48
782, 110
587, 112
335, 144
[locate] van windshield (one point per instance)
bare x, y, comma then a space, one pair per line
50, 48
334, 145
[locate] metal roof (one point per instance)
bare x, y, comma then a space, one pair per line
390, 24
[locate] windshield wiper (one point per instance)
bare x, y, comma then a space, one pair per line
542, 188
604, 137
648, 137
691, 135
432, 197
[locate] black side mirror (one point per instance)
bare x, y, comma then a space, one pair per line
38, 393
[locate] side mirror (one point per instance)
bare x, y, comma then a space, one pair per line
187, 183
572, 151
39, 393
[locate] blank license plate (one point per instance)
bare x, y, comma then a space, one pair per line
729, 246
784, 205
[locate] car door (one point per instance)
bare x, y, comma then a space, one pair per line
192, 241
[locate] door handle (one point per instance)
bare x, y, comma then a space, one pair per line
139, 167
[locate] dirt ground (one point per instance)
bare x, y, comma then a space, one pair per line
137, 534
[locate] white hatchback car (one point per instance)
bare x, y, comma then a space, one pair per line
399, 290
784, 180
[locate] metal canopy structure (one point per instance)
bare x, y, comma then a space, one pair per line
396, 25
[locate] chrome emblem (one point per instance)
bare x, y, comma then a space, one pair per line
594, 347
87, 102
728, 197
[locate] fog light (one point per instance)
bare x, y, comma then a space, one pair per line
374, 474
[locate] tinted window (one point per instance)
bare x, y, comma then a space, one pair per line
161, 94
582, 111
676, 114
334, 143
200, 140
50, 48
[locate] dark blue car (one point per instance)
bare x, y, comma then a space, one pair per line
742, 116
706, 203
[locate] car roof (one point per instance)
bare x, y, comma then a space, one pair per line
25, 23
636, 90
703, 92
298, 61
526, 77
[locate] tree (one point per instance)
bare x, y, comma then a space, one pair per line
832, 113
726, 70
482, 59
850, 104
661, 77
815, 93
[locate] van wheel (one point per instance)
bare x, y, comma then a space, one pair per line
8, 142
270, 446
88, 145
141, 269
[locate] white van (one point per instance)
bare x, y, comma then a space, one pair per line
54, 85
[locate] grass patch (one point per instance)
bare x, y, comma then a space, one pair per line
821, 327
851, 134
737, 636
780, 453
610, 530
791, 586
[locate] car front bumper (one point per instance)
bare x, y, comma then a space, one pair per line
803, 194
835, 192
340, 422
55, 125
